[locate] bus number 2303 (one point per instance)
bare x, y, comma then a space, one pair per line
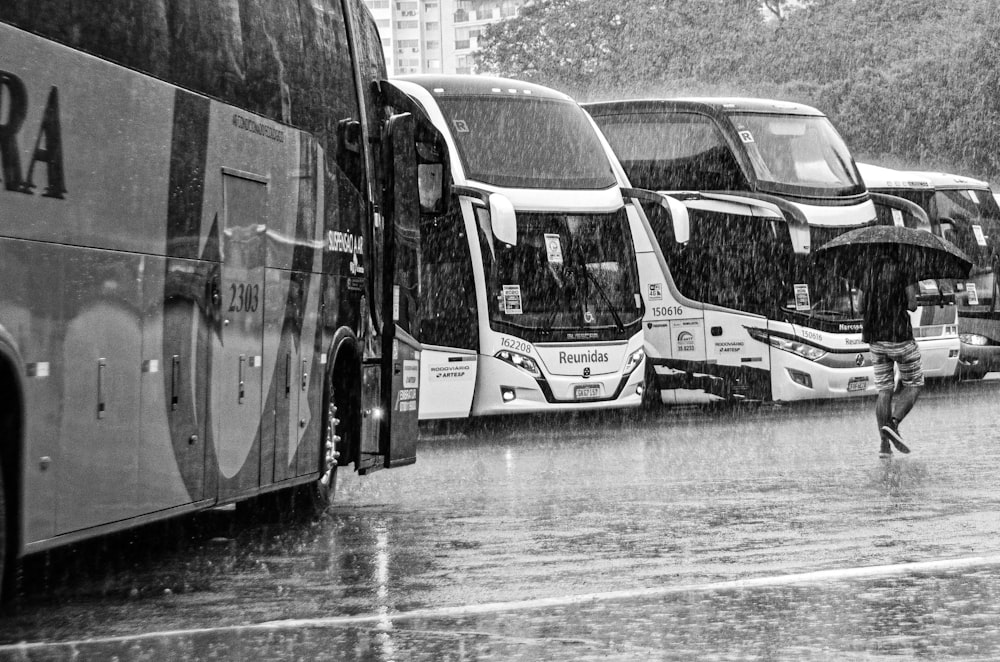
668, 311
244, 297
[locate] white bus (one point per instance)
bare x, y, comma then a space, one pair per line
740, 312
964, 211
529, 283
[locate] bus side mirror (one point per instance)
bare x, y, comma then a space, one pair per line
679, 218
502, 219
432, 177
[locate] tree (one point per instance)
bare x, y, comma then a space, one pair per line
588, 46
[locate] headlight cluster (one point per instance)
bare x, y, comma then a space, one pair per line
974, 339
805, 350
521, 361
634, 359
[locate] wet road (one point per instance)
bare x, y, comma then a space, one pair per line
769, 534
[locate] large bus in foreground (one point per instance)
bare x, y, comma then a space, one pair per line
530, 288
964, 211
741, 310
207, 246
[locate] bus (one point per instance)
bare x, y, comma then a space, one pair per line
528, 267
208, 232
964, 211
741, 311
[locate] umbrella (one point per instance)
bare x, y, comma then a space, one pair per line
926, 254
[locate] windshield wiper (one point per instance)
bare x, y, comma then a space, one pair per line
600, 290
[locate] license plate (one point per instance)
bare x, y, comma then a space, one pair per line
587, 392
857, 384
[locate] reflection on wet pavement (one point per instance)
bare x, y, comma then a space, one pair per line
552, 508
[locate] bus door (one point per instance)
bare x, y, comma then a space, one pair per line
237, 363
400, 291
732, 262
449, 324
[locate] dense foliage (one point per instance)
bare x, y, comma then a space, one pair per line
909, 83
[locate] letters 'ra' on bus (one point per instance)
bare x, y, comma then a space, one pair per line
208, 243
531, 294
740, 311
964, 211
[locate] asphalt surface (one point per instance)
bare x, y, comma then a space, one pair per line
769, 534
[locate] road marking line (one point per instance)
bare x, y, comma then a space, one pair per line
386, 618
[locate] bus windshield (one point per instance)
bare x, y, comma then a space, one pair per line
797, 154
568, 277
518, 142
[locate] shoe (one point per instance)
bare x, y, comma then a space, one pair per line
891, 431
885, 451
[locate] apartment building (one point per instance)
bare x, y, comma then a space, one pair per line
435, 36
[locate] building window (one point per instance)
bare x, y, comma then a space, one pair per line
407, 25
433, 45
433, 26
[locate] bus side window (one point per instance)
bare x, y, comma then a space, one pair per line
449, 293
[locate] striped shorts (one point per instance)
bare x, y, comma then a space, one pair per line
887, 355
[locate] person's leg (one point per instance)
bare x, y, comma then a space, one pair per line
912, 379
883, 407
903, 402
885, 379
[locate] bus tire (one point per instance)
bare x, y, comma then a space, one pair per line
321, 491
341, 427
651, 398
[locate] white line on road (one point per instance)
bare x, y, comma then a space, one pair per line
385, 618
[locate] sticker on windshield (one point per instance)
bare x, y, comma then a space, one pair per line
656, 291
553, 248
980, 237
802, 297
972, 194
512, 299
897, 218
746, 136
971, 296
460, 126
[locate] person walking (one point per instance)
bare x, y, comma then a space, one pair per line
889, 293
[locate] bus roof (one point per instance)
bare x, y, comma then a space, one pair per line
709, 105
464, 84
878, 177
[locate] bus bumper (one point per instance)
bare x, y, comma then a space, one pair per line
797, 378
505, 389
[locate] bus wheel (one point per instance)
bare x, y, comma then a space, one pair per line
323, 489
651, 398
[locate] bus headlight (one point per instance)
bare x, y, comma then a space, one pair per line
805, 350
974, 339
521, 361
634, 359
